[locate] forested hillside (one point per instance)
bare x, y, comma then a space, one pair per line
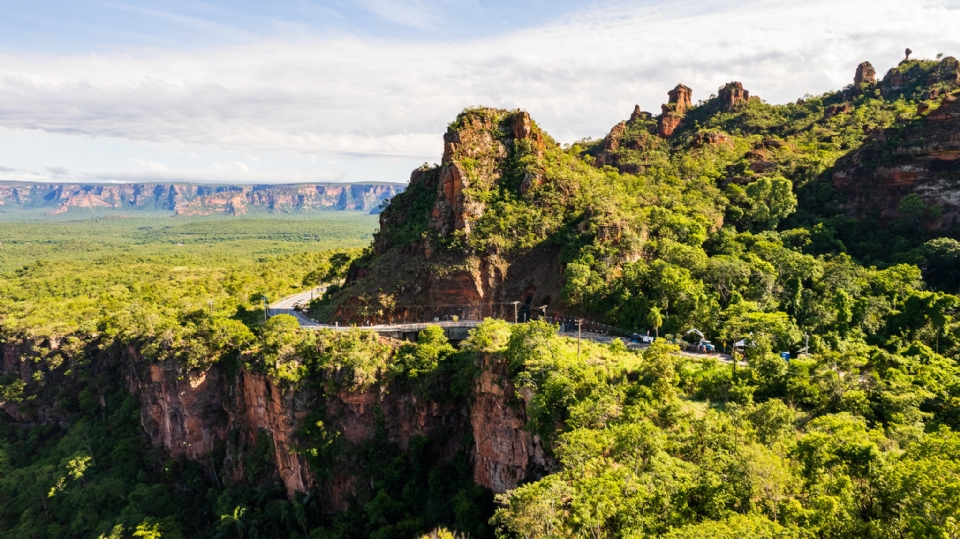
146, 397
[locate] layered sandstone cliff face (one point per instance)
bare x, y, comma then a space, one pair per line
505, 453
189, 199
419, 278
216, 414
919, 156
672, 113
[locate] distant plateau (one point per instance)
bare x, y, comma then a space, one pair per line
195, 199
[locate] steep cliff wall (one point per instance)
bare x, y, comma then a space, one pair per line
191, 199
224, 413
924, 158
505, 453
425, 266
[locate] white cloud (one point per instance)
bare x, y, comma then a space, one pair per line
221, 176
413, 13
151, 165
234, 166
353, 101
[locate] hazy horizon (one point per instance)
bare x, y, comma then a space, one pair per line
338, 91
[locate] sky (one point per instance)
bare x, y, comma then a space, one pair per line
287, 91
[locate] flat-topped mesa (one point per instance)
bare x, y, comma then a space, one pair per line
732, 95
673, 111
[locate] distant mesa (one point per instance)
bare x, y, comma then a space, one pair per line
194, 199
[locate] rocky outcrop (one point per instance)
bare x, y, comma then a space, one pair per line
680, 97
865, 74
837, 108
672, 113
921, 79
639, 114
417, 276
710, 138
611, 142
218, 416
922, 157
506, 454
191, 199
626, 147
732, 95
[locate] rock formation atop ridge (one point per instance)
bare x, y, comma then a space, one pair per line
672, 112
866, 74
732, 95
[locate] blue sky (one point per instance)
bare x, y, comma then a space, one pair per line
97, 26
302, 91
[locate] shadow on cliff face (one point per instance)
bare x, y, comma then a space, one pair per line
920, 156
425, 261
394, 447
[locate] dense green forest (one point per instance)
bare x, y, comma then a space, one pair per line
90, 235
731, 226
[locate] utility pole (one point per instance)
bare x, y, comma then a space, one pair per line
210, 302
579, 327
264, 308
516, 318
733, 353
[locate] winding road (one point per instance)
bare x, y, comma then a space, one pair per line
287, 304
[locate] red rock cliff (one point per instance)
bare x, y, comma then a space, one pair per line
922, 157
421, 278
193, 414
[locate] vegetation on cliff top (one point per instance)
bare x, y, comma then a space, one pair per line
854, 443
728, 226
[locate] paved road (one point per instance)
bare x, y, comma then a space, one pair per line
285, 306
288, 302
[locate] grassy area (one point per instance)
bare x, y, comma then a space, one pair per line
91, 236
